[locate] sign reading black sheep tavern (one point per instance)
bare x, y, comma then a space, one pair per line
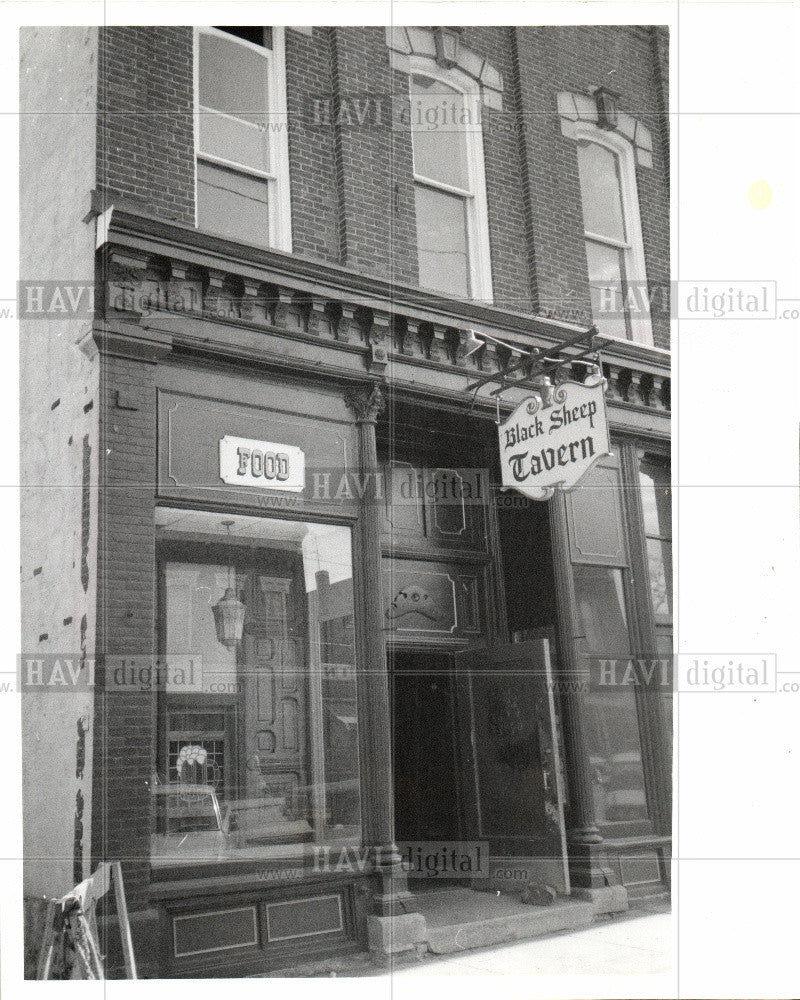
545, 447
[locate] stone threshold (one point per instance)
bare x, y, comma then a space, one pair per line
453, 920
460, 919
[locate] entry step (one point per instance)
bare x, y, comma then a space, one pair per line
461, 919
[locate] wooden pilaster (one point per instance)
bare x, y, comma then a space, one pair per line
585, 839
392, 895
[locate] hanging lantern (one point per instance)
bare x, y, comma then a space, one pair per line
229, 610
229, 619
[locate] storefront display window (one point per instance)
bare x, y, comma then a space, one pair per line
656, 509
613, 727
603, 599
656, 494
258, 741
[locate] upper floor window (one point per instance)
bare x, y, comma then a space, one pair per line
449, 184
612, 229
240, 135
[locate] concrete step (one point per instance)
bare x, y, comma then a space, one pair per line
460, 919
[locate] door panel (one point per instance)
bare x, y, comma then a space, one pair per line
508, 730
595, 518
433, 600
435, 508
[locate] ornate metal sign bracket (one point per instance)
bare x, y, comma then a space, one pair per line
540, 366
559, 430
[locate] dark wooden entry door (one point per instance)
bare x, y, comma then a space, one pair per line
424, 741
508, 730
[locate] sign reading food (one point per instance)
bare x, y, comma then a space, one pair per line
246, 462
549, 447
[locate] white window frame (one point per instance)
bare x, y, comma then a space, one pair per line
633, 248
279, 236
477, 215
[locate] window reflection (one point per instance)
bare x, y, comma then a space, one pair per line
613, 738
600, 596
600, 188
260, 758
656, 498
659, 558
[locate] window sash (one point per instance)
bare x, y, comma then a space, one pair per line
239, 168
479, 279
440, 186
234, 201
599, 202
453, 160
275, 167
424, 250
607, 240
608, 326
209, 114
638, 326
263, 58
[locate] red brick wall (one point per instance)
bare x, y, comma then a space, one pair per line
145, 141
352, 189
125, 721
574, 59
373, 162
315, 205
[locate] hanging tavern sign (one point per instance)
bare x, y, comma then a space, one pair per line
544, 447
246, 462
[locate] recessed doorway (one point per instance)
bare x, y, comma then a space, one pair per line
424, 746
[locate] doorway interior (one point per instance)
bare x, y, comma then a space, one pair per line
425, 746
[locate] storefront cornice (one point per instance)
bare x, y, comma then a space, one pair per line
240, 304
232, 263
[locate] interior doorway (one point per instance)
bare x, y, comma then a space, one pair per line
424, 746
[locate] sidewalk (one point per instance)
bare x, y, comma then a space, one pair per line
639, 941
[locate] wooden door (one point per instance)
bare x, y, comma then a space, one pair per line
509, 736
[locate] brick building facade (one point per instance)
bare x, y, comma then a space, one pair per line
341, 335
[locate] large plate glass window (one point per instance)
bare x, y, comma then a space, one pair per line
240, 135
449, 185
612, 231
602, 579
258, 736
656, 496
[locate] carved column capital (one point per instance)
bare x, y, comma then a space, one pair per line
366, 404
